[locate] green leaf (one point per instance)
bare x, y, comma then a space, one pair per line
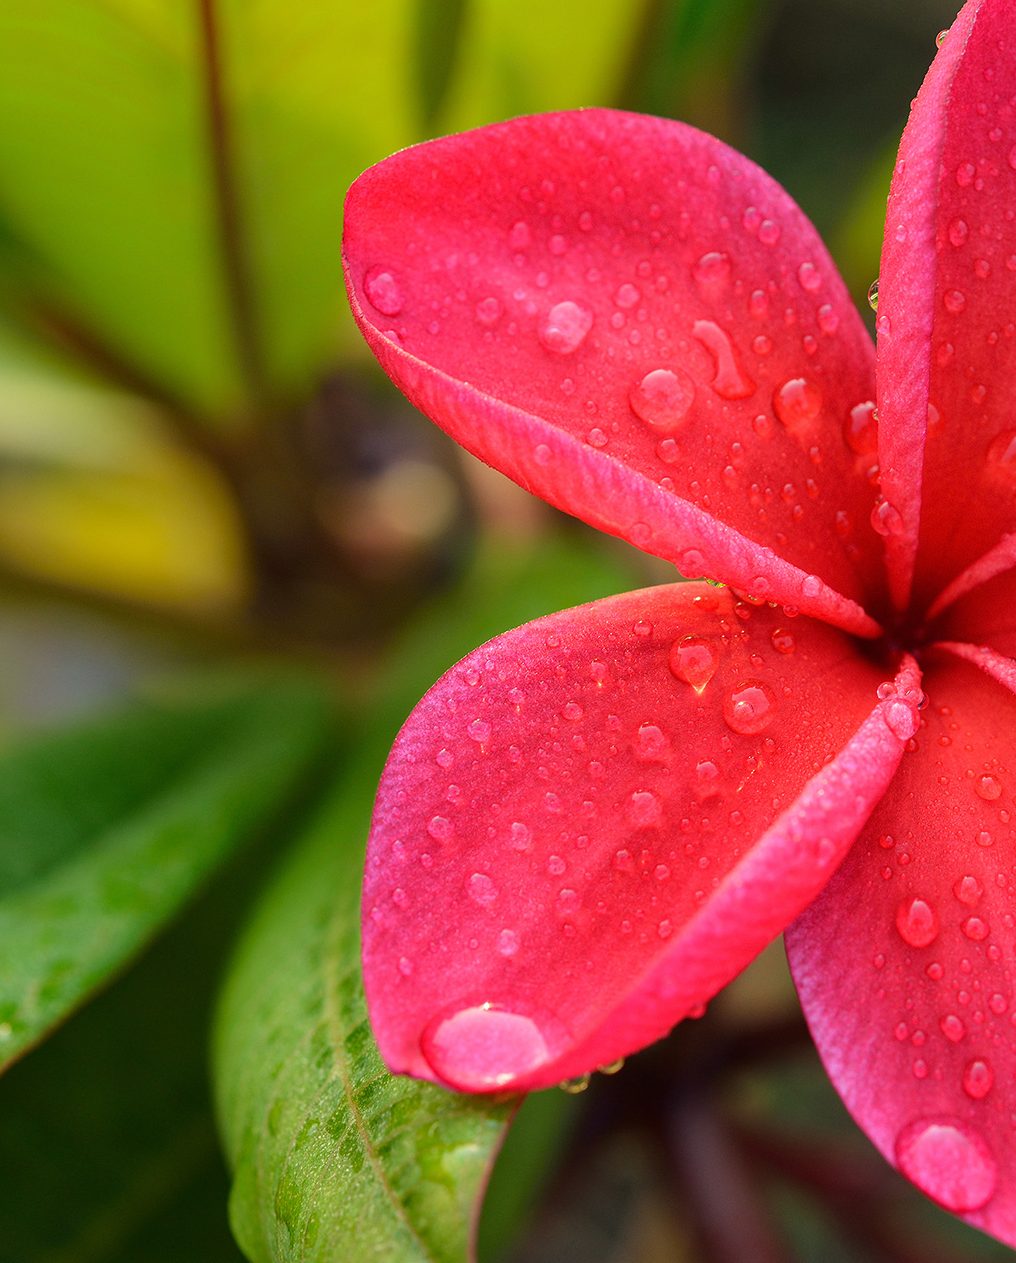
108, 1152
109, 827
520, 56
333, 1158
104, 176
175, 174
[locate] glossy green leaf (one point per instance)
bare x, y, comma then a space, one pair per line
107, 828
333, 1158
108, 1152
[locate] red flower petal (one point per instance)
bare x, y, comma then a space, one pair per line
947, 342
592, 823
639, 325
985, 615
904, 963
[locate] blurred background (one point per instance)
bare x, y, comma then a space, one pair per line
201, 466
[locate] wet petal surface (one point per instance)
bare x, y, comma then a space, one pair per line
636, 323
919, 922
947, 341
593, 822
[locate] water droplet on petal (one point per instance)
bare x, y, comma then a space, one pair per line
486, 1046
440, 828
729, 381
565, 327
783, 640
873, 295
749, 708
952, 1027
479, 731
968, 890
886, 519
1002, 453
797, 403
519, 237
384, 293
481, 889
712, 271
978, 1079
954, 301
488, 311
901, 718
917, 922
694, 660
521, 836
575, 1086
941, 37
644, 809
652, 745
627, 296
988, 787
662, 399
508, 943
860, 430
949, 1161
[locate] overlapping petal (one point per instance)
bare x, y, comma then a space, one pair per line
639, 325
904, 964
947, 340
593, 822
985, 615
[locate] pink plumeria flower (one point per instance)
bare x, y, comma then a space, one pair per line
594, 822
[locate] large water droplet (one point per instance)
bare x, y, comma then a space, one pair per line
384, 293
486, 1046
729, 381
873, 295
978, 1079
662, 399
644, 809
860, 430
652, 745
797, 403
694, 660
565, 327
949, 1161
917, 922
481, 889
749, 708
712, 272
988, 787
521, 836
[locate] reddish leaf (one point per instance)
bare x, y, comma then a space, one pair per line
595, 821
639, 325
947, 341
903, 963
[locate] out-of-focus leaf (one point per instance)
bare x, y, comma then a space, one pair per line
520, 56
108, 1151
107, 828
315, 92
857, 242
332, 1157
109, 150
162, 534
104, 174
694, 63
